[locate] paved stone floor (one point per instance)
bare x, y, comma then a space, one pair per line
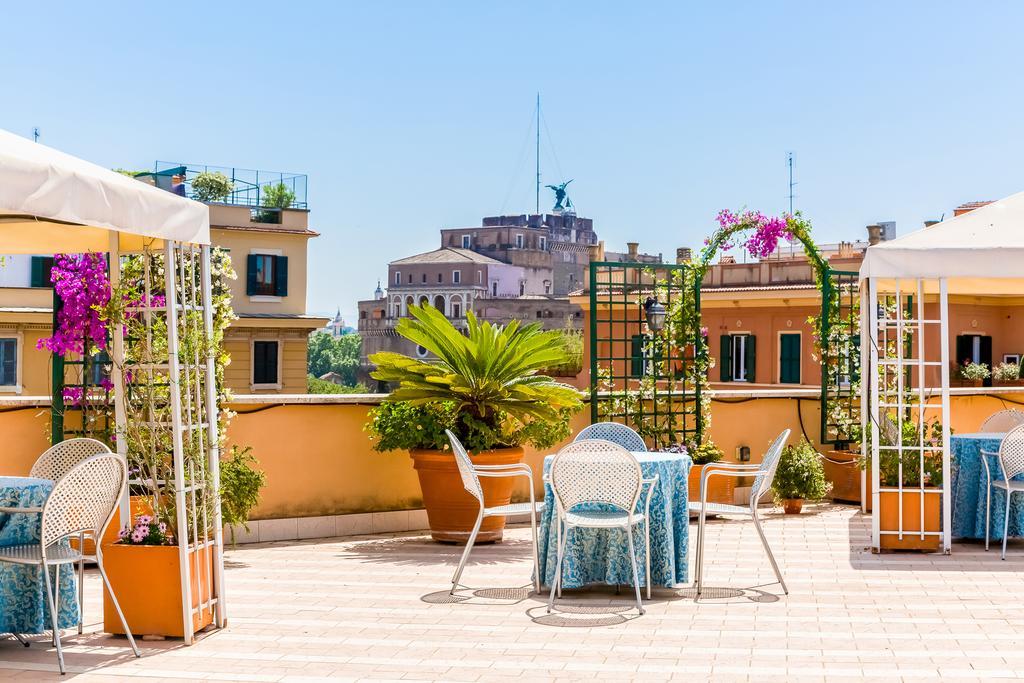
376, 608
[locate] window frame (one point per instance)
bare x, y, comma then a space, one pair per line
741, 357
520, 241
398, 278
467, 241
456, 277
252, 363
18, 338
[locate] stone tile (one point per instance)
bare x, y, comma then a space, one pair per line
388, 522
316, 527
354, 525
278, 530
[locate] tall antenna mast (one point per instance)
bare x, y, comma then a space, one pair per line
789, 162
538, 154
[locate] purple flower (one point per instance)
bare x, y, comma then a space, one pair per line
162, 527
107, 384
138, 536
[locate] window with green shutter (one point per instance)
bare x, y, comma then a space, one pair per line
41, 267
789, 358
738, 357
636, 356
8, 362
266, 275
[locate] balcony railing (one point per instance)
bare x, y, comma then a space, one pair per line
249, 184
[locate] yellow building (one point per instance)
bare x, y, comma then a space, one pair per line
268, 248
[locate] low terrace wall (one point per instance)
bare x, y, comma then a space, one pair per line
320, 464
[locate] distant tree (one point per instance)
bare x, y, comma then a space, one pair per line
277, 196
315, 385
327, 354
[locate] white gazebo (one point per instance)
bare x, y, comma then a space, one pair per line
905, 357
51, 202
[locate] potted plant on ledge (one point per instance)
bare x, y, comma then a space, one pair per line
485, 387
799, 477
973, 374
1007, 374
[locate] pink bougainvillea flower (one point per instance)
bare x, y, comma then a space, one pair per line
81, 283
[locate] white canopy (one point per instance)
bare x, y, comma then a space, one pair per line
979, 252
51, 201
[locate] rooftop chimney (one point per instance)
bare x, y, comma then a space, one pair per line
632, 248
874, 234
684, 255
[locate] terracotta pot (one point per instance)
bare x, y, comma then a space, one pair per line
843, 470
147, 580
792, 506
889, 512
720, 489
451, 511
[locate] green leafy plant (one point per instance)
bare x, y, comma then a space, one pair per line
800, 474
490, 377
572, 344
889, 461
212, 186
277, 196
315, 385
240, 485
325, 353
1006, 372
704, 453
974, 371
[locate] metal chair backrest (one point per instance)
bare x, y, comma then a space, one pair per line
769, 464
59, 458
1011, 453
84, 499
615, 432
470, 481
1002, 421
596, 471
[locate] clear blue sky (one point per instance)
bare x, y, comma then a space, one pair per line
412, 116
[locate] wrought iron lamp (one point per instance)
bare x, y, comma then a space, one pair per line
655, 313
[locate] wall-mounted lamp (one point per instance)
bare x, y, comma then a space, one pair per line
655, 313
743, 452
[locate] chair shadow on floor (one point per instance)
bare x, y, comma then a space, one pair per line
420, 551
511, 595
89, 653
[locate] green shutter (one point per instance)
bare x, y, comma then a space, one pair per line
963, 348
250, 275
636, 356
37, 272
789, 359
281, 275
749, 358
725, 358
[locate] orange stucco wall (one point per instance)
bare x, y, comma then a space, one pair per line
319, 461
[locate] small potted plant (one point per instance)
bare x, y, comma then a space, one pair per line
212, 186
799, 477
486, 387
973, 374
1007, 374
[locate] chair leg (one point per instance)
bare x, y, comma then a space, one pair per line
53, 614
117, 606
988, 513
1006, 521
556, 587
536, 555
647, 553
767, 549
700, 550
559, 531
21, 639
636, 572
465, 553
81, 591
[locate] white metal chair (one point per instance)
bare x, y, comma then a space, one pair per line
1002, 421
615, 432
471, 482
59, 458
595, 472
82, 502
53, 464
1011, 462
763, 474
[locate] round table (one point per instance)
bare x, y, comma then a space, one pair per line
969, 488
602, 555
23, 605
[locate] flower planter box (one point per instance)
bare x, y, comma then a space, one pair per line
1009, 382
888, 509
139, 506
720, 489
451, 510
147, 580
843, 470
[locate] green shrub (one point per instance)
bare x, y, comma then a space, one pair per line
315, 385
240, 484
277, 196
705, 453
800, 474
212, 186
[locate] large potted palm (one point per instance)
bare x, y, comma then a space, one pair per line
485, 386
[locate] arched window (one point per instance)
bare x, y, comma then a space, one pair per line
439, 303
408, 304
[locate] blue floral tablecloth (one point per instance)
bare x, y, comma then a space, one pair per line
602, 555
969, 486
23, 606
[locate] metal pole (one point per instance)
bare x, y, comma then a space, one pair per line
865, 364
947, 531
212, 412
538, 155
173, 380
117, 375
872, 370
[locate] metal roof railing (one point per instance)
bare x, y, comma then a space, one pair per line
249, 185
